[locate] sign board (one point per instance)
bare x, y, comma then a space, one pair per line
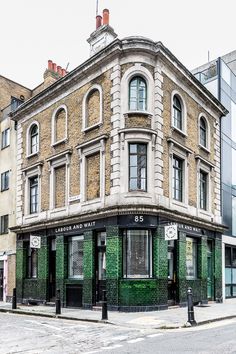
171, 232
35, 241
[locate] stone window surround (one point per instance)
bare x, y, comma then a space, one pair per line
142, 136
53, 126
137, 70
208, 135
29, 172
58, 160
28, 140
87, 149
181, 152
207, 167
184, 113
84, 108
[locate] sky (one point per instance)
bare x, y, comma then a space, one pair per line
33, 31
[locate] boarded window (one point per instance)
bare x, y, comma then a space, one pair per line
93, 108
93, 176
60, 186
60, 125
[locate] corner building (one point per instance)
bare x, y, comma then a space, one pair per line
110, 154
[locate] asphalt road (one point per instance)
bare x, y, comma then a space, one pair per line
29, 334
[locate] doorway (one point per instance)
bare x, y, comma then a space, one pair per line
210, 279
172, 272
52, 270
1, 279
100, 265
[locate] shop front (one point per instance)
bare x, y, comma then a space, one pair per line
132, 257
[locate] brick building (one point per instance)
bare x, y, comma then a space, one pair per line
120, 181
12, 94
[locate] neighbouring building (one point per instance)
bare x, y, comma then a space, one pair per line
12, 95
120, 181
219, 76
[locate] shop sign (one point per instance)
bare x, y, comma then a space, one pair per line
35, 241
75, 227
171, 232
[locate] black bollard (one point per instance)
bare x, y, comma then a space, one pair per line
104, 305
14, 299
191, 318
58, 302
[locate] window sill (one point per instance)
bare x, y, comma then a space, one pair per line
4, 147
92, 201
134, 194
32, 155
87, 129
4, 190
31, 216
139, 113
63, 141
181, 132
178, 203
204, 148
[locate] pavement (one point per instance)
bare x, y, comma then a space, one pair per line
174, 317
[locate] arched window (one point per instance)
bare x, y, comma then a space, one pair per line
203, 132
92, 108
137, 94
59, 125
34, 139
177, 113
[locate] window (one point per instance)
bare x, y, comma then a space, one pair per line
92, 107
137, 94
203, 190
177, 179
137, 167
4, 224
59, 125
5, 138
137, 254
32, 262
33, 186
230, 271
203, 132
4, 181
191, 258
177, 113
75, 260
234, 215
34, 139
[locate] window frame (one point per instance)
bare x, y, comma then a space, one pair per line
205, 145
231, 266
4, 226
183, 128
34, 187
174, 179
5, 181
55, 142
85, 127
31, 253
69, 260
203, 199
140, 79
139, 176
5, 138
29, 152
125, 274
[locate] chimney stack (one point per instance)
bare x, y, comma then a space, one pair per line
98, 21
105, 17
49, 64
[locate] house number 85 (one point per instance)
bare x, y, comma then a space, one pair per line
138, 218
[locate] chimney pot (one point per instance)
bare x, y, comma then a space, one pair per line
105, 17
54, 67
59, 71
49, 64
98, 21
63, 72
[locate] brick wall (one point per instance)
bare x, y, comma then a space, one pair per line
60, 178
93, 176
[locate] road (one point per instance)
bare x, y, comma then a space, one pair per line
31, 335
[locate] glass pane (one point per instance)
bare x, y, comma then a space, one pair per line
234, 290
234, 275
133, 172
133, 184
234, 216
102, 265
233, 169
191, 258
228, 275
133, 148
228, 291
234, 257
227, 256
133, 160
76, 257
233, 121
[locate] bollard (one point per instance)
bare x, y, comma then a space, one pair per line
104, 305
191, 318
58, 302
14, 299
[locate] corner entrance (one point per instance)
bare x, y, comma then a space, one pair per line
100, 264
172, 281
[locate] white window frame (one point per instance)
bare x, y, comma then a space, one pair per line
53, 136
75, 238
33, 171
5, 137
85, 127
184, 113
203, 165
208, 133
136, 70
195, 243
28, 140
85, 150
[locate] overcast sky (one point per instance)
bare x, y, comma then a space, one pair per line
33, 31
